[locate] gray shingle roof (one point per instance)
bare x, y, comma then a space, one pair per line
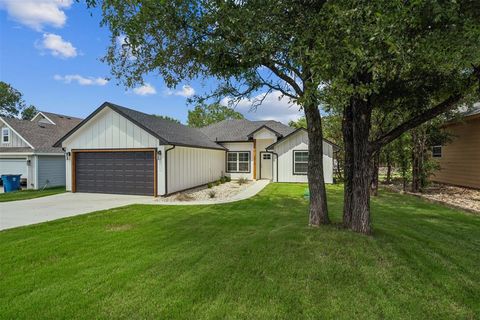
172, 132
40, 135
168, 132
15, 149
239, 130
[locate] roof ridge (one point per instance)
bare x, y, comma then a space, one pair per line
59, 114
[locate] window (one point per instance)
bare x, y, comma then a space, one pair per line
238, 161
300, 162
5, 135
437, 151
267, 156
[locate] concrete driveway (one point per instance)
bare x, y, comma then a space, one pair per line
26, 212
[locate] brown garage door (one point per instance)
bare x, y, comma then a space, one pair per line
117, 172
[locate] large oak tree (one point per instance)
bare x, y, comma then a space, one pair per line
417, 59
249, 47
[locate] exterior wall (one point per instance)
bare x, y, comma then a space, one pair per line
240, 146
51, 169
109, 130
15, 140
284, 161
264, 134
191, 167
460, 161
32, 172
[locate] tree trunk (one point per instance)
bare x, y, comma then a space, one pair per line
418, 155
316, 182
356, 130
347, 130
416, 167
389, 169
375, 169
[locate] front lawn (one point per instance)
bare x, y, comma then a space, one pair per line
254, 259
30, 194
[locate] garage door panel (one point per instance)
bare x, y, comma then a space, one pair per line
117, 172
14, 166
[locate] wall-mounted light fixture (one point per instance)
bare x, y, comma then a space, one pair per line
67, 155
29, 162
159, 152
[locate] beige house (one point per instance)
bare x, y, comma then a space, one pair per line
460, 160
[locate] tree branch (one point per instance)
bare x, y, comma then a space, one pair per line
284, 77
429, 114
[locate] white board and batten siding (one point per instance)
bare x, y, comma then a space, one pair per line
299, 141
51, 171
240, 146
108, 130
15, 140
192, 167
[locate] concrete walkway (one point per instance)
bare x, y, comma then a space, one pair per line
26, 212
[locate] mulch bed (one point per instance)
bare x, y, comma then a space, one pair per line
456, 197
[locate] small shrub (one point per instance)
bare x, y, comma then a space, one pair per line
210, 185
242, 181
223, 179
227, 179
217, 183
212, 194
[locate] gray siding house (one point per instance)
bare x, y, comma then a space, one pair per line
123, 151
26, 148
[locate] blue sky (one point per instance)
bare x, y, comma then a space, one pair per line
50, 50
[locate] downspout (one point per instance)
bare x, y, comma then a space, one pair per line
166, 170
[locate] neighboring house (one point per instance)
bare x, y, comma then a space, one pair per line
459, 160
26, 148
123, 151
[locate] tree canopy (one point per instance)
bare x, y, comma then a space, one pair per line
29, 112
203, 115
414, 58
11, 100
250, 48
167, 118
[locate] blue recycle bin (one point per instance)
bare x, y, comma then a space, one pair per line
11, 182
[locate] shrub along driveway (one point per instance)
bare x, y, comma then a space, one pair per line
249, 259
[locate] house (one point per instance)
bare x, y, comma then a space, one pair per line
459, 160
123, 151
26, 148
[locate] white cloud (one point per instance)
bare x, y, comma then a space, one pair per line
81, 80
186, 91
145, 90
57, 46
37, 13
274, 107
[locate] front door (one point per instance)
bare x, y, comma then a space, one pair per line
266, 166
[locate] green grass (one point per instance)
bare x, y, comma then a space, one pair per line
30, 194
254, 259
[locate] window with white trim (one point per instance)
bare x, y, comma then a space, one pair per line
300, 162
238, 161
437, 151
5, 135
